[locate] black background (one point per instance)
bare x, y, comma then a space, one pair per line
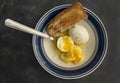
17, 61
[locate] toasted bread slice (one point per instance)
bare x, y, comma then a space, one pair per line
66, 19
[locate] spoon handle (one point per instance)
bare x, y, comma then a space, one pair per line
18, 26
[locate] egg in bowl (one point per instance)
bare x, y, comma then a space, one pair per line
71, 53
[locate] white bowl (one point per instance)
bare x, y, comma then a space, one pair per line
95, 49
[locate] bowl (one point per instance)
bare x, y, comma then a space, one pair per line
95, 50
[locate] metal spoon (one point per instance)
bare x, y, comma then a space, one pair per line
18, 26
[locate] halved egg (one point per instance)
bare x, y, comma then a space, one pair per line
74, 56
65, 43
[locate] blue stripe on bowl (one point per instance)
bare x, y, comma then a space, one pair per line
70, 74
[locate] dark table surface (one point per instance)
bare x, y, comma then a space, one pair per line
17, 61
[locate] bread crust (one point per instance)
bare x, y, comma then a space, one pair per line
66, 19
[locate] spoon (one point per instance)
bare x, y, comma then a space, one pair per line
18, 26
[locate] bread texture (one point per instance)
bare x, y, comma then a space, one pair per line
66, 19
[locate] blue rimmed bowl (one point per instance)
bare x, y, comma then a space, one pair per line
75, 72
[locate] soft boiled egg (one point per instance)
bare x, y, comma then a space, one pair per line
79, 34
74, 56
65, 43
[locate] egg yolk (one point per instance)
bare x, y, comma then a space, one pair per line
67, 43
74, 56
78, 55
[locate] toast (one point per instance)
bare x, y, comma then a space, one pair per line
66, 19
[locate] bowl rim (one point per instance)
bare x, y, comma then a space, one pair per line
86, 73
